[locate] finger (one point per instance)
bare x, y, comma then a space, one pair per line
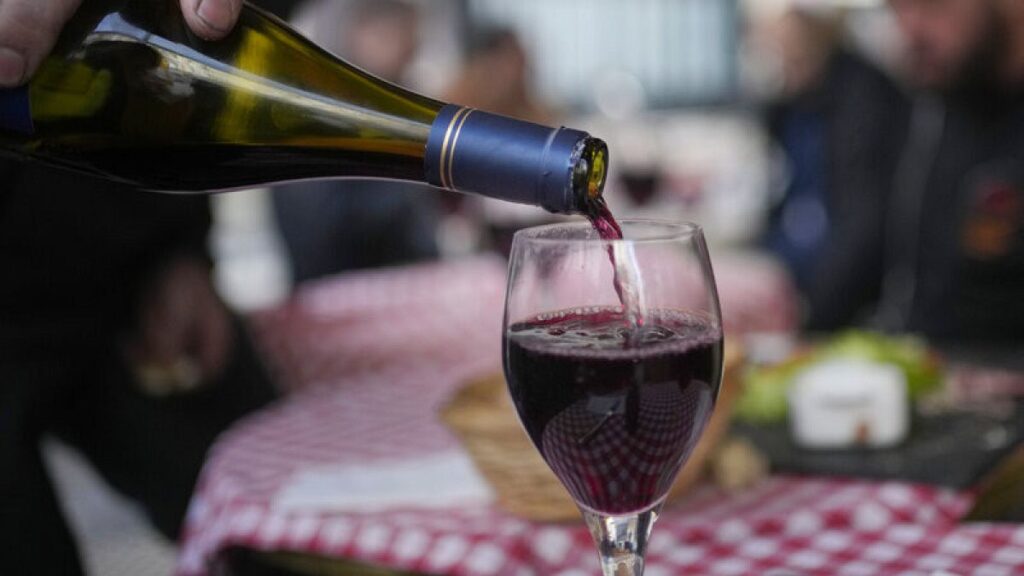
211, 19
28, 31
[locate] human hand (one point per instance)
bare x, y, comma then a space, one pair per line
183, 333
29, 29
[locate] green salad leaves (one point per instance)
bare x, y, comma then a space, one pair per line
764, 398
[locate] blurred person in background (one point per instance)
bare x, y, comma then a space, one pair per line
280, 8
112, 337
333, 226
954, 259
838, 121
496, 77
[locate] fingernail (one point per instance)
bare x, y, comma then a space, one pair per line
12, 67
215, 13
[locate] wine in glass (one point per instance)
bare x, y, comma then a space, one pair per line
615, 400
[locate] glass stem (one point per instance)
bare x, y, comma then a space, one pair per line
621, 540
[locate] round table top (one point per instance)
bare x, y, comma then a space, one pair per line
355, 463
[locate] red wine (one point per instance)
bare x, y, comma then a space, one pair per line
615, 416
604, 222
627, 280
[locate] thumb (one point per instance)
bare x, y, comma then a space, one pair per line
28, 31
211, 19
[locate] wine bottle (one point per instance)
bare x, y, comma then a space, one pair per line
132, 95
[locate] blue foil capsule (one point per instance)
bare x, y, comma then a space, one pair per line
504, 158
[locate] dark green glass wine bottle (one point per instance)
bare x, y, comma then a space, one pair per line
132, 95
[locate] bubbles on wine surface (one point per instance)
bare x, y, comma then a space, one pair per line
600, 330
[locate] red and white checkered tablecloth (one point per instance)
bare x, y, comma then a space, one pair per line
370, 358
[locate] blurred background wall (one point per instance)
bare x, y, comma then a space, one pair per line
676, 87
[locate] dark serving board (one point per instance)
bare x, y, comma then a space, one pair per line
954, 450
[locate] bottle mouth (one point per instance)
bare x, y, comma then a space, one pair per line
591, 171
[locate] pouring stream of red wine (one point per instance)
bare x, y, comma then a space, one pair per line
627, 272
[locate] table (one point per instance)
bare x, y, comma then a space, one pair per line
370, 358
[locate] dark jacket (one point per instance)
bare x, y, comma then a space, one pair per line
955, 237
75, 251
853, 124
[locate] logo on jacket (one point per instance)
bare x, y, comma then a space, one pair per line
993, 220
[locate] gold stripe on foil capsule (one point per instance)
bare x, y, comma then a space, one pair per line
444, 145
455, 141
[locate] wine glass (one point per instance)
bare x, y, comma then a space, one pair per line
615, 406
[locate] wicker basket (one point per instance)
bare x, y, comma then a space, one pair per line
482, 416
